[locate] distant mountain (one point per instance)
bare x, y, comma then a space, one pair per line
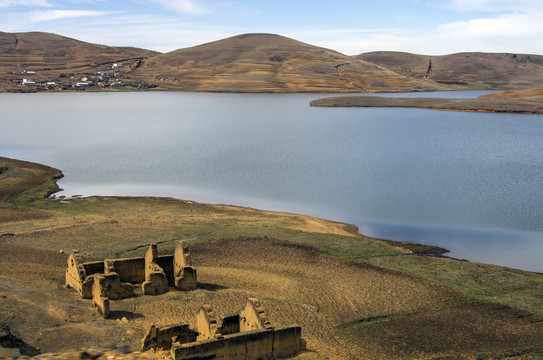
267, 62
475, 69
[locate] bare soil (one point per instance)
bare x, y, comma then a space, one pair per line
346, 309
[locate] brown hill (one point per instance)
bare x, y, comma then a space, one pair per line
475, 70
43, 51
44, 57
271, 63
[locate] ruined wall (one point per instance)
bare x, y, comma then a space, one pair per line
253, 316
184, 273
229, 325
77, 275
154, 272
251, 345
75, 272
162, 337
205, 323
166, 263
156, 282
130, 270
247, 335
287, 341
112, 286
93, 267
99, 299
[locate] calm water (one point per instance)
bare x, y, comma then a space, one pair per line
469, 182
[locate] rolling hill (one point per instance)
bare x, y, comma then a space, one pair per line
271, 63
44, 51
47, 57
475, 69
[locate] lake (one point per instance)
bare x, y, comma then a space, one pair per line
469, 182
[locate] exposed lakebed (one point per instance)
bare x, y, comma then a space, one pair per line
468, 182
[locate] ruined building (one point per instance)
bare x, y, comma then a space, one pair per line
246, 335
114, 279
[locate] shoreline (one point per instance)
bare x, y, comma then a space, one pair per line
492, 105
417, 249
50, 194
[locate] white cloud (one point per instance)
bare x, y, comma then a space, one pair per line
518, 33
182, 6
355, 41
504, 26
49, 15
28, 3
493, 6
144, 31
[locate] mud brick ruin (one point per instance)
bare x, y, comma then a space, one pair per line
247, 335
114, 279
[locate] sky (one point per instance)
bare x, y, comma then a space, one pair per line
429, 27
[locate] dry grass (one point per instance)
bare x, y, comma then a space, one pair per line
521, 94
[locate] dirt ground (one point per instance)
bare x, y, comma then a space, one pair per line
347, 310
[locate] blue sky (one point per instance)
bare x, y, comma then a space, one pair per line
430, 27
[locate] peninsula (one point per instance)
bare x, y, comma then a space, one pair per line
525, 102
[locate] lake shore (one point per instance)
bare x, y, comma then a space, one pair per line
304, 269
498, 105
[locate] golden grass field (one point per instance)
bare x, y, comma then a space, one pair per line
355, 297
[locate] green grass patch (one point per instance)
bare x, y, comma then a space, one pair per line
489, 283
127, 223
27, 197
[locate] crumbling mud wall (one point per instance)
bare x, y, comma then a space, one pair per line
99, 300
155, 282
184, 273
176, 269
163, 337
253, 316
250, 345
246, 335
78, 274
113, 279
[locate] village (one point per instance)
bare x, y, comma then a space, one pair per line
110, 76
